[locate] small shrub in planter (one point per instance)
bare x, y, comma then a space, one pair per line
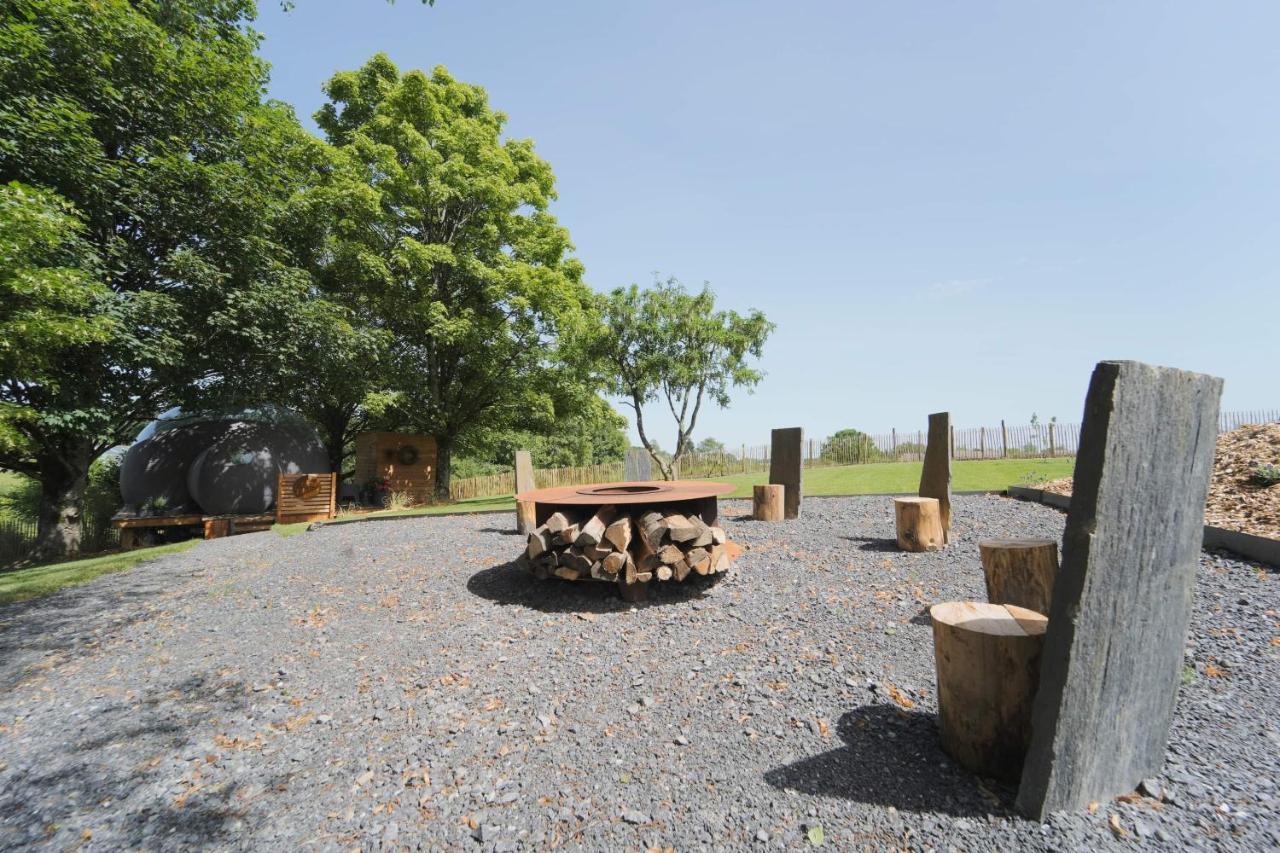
1265, 474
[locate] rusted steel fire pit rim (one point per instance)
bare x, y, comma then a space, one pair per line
642, 492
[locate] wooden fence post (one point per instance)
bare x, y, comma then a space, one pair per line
1052, 451
1004, 441
895, 441
982, 442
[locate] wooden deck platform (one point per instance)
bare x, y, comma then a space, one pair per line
132, 528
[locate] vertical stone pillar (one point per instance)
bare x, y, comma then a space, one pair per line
935, 479
1121, 606
786, 466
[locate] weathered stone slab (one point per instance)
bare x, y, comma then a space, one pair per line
1113, 653
524, 472
935, 479
786, 466
637, 464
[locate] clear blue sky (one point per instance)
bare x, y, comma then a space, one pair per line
953, 206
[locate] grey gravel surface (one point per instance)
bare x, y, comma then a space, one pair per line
400, 684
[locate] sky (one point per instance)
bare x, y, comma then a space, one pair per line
942, 206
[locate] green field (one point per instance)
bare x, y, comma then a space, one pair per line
881, 478
42, 580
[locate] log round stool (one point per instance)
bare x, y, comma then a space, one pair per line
1020, 571
988, 663
919, 523
767, 503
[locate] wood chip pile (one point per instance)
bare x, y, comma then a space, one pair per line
1234, 502
611, 545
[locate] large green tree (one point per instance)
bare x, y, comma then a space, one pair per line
667, 345
454, 251
141, 125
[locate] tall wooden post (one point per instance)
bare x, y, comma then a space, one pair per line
982, 442
951, 438
935, 479
1004, 441
786, 466
1113, 653
524, 483
894, 435
1052, 451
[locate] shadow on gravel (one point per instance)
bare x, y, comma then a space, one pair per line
40, 631
874, 543
893, 758
123, 762
503, 530
509, 584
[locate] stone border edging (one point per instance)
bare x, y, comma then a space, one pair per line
1246, 545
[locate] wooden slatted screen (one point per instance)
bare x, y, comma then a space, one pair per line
306, 497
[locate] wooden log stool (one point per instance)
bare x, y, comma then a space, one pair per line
988, 664
767, 503
1020, 571
919, 524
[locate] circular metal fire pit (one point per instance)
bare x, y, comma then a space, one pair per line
686, 512
641, 492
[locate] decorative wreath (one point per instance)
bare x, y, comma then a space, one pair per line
407, 454
306, 487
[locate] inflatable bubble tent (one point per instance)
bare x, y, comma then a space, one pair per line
217, 463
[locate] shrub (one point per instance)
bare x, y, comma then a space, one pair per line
399, 500
1265, 474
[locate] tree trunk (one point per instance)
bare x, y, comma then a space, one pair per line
444, 461
63, 480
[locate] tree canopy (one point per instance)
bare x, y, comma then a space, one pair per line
452, 244
136, 130
665, 344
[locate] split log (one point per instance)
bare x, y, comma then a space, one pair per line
568, 535
680, 570
652, 529
699, 559
539, 543
663, 573
704, 536
618, 534
596, 553
717, 535
988, 666
593, 531
573, 560
919, 522
567, 573
679, 528
615, 562
1020, 571
719, 558
669, 554
557, 522
525, 521
767, 503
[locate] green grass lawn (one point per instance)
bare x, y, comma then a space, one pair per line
40, 580
879, 478
468, 506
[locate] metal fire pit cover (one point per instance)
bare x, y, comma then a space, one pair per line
651, 492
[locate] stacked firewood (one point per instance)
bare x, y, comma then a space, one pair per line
606, 544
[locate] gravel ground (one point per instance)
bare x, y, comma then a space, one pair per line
399, 684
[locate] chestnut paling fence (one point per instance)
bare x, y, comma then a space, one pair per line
1003, 441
